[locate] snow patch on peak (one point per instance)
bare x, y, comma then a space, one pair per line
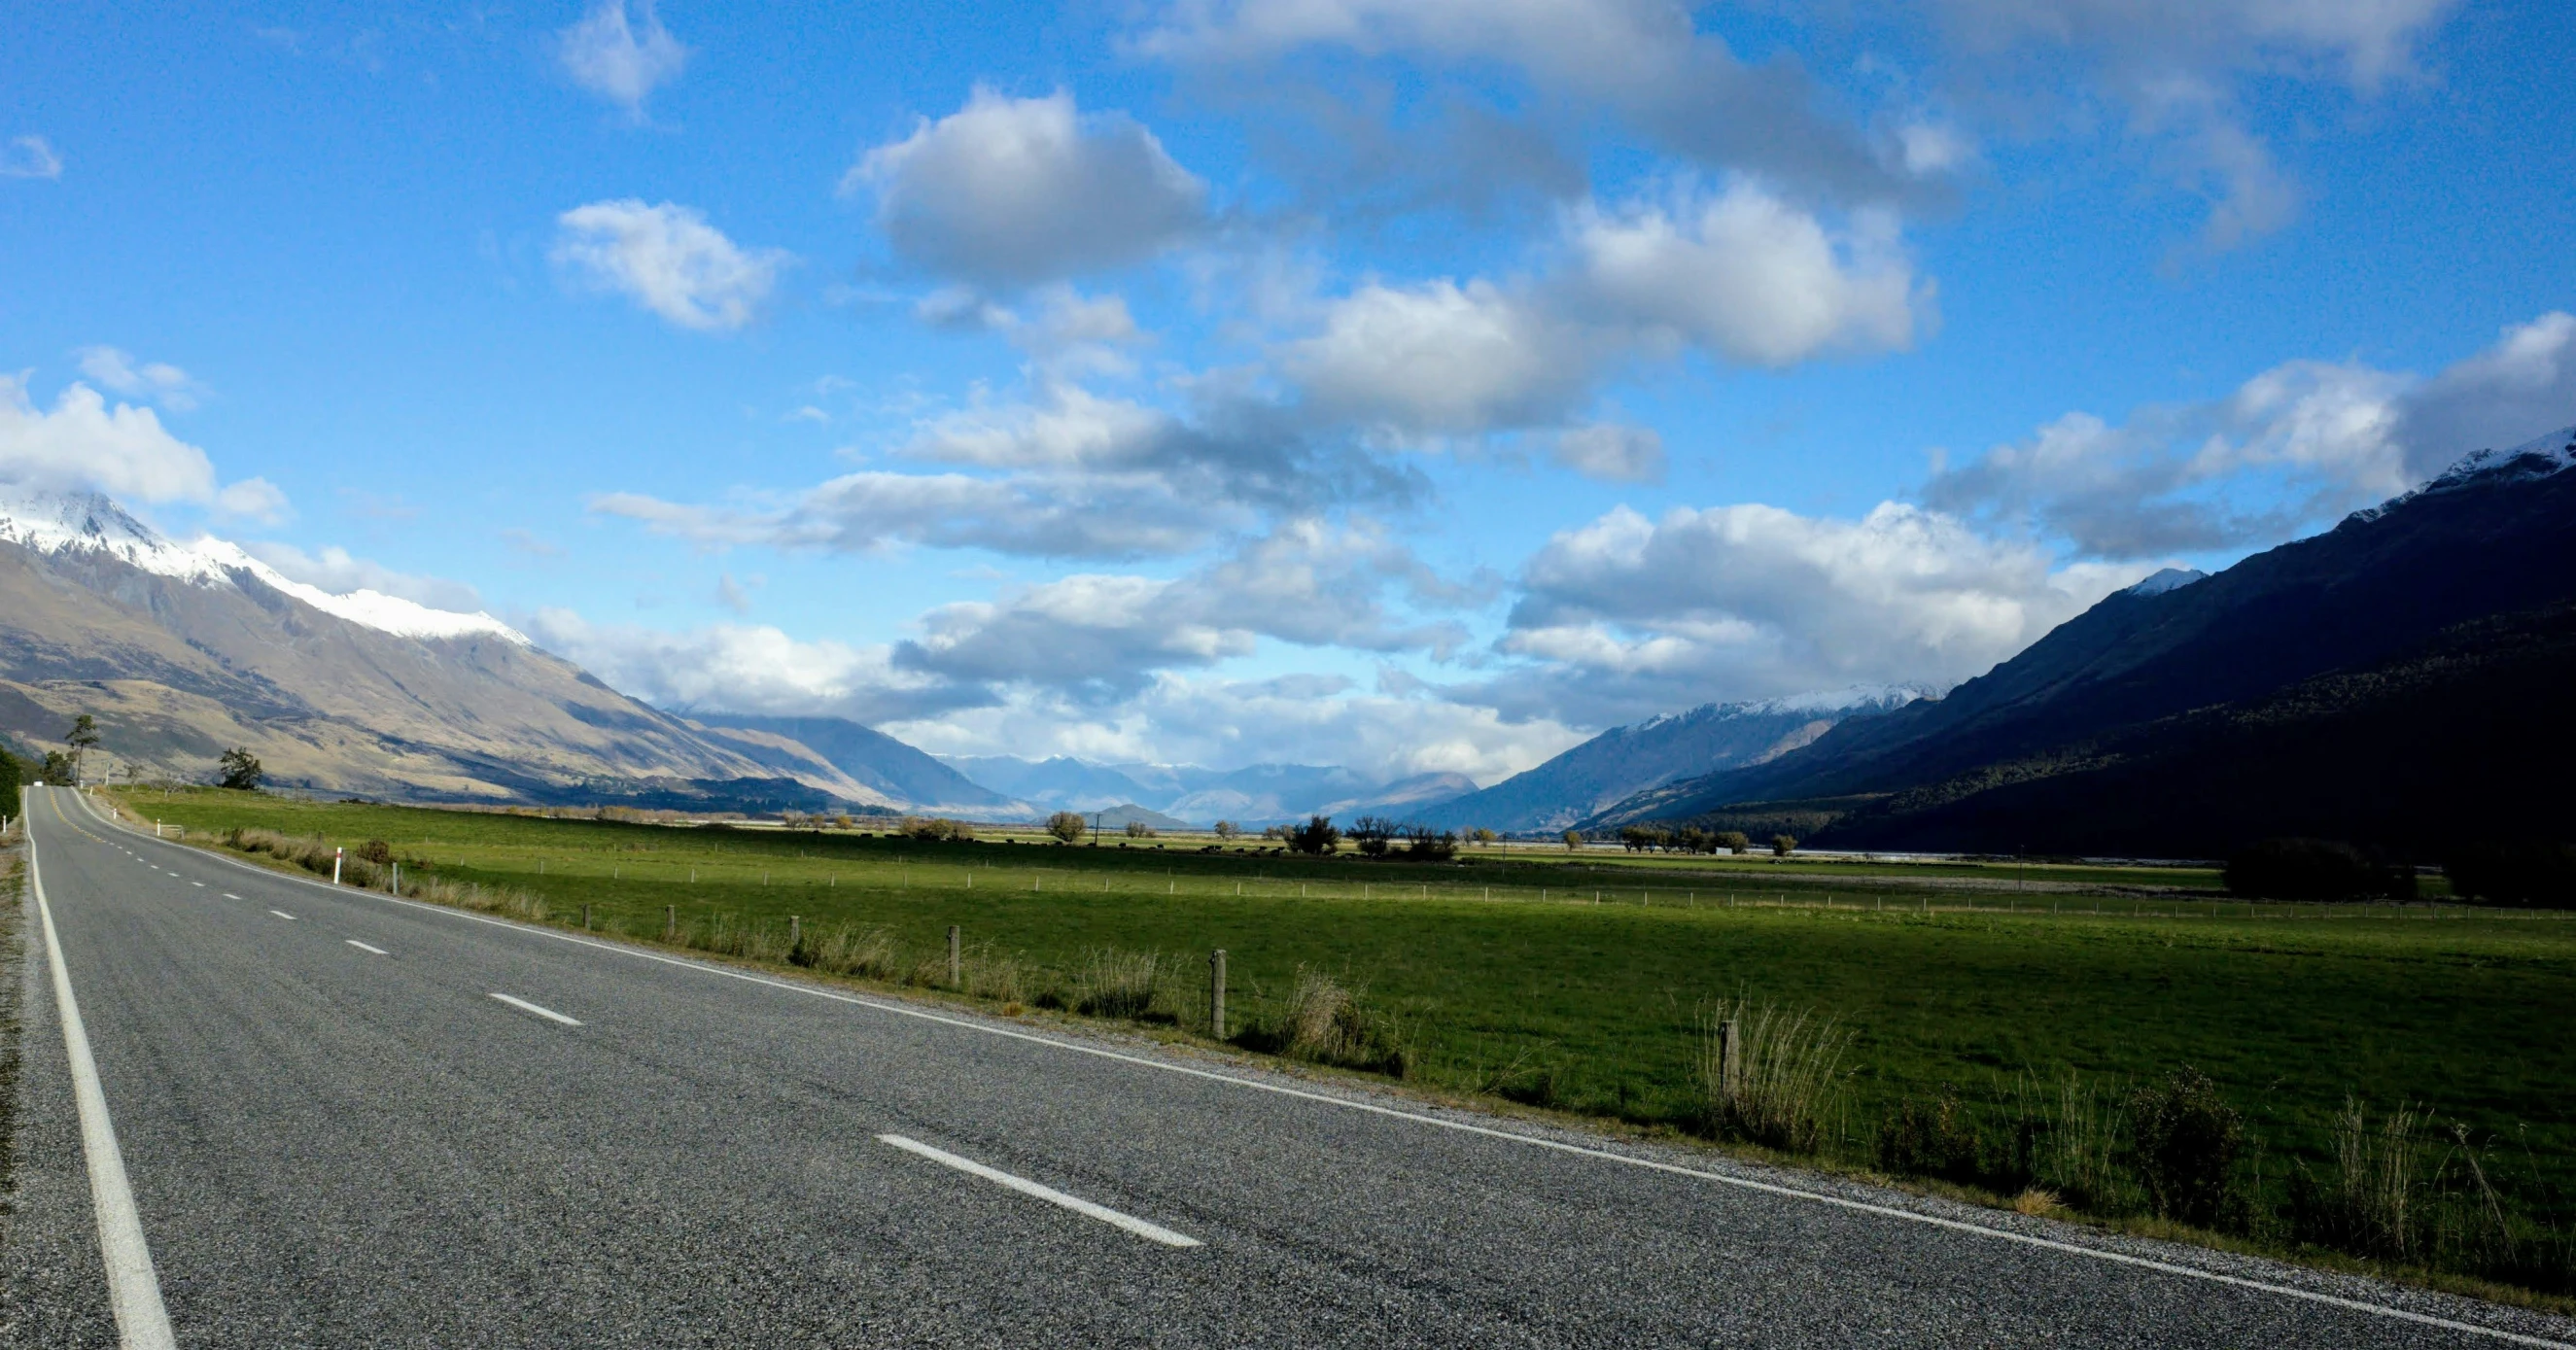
2170, 579
2537, 458
1849, 698
87, 522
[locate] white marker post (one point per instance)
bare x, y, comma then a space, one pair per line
335, 866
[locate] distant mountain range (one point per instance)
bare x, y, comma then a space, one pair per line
2397, 681
868, 756
1624, 761
1258, 795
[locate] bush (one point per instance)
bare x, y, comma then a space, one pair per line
1327, 1022
1373, 835
2529, 873
2313, 869
2183, 1143
1782, 845
1930, 1140
1317, 836
1424, 844
937, 830
377, 851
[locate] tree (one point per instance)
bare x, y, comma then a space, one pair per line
2313, 869
1067, 826
1573, 839
80, 738
58, 769
1317, 836
1482, 836
1733, 841
13, 776
1372, 834
1137, 829
1782, 845
239, 770
2525, 873
1227, 830
1425, 844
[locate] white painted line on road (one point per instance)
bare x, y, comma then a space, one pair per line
377, 950
134, 1289
525, 1006
1052, 1196
282, 914
198, 884
230, 896
1463, 1127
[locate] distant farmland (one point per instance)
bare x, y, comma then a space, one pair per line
1510, 979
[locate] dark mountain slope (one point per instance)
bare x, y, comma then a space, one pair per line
2496, 535
2465, 739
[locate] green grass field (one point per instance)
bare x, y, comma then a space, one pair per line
1510, 975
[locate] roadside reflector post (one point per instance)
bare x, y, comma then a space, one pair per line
397, 890
585, 918
954, 968
670, 922
1730, 1059
795, 931
1216, 993
336, 855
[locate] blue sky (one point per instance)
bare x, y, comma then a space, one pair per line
1414, 385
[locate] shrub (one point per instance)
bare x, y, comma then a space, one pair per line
1137, 829
1782, 845
1424, 844
1572, 839
1317, 836
937, 830
2528, 873
2312, 869
1372, 835
377, 851
1930, 1139
2373, 1200
2183, 1143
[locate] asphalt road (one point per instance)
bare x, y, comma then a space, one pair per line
338, 1134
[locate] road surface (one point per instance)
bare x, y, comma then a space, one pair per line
344, 1119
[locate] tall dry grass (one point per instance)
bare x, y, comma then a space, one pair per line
1784, 1089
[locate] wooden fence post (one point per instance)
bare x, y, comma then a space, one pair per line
954, 967
670, 922
1216, 993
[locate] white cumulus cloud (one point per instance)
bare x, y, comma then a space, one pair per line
669, 260
620, 60
83, 443
1007, 192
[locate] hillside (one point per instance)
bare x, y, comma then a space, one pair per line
182, 650
866, 755
2387, 604
1624, 761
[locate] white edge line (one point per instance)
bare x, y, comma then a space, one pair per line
525, 1006
1024, 1186
134, 1289
283, 915
1533, 1141
365, 948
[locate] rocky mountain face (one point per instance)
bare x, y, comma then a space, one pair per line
2289, 693
182, 650
1624, 761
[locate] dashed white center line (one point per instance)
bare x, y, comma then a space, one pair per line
364, 947
1024, 1186
525, 1006
281, 914
198, 884
230, 896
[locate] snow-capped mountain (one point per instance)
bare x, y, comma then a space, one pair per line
1624, 761
88, 522
183, 650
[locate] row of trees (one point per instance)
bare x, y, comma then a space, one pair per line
1691, 839
68, 767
